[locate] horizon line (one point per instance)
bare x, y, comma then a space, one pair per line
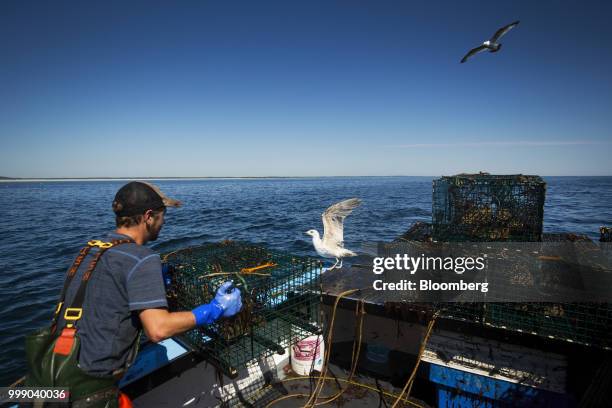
29, 179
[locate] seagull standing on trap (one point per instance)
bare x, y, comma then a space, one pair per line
492, 45
332, 244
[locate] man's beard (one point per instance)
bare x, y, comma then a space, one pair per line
152, 233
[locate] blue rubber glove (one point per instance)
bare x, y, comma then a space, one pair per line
207, 313
231, 301
224, 304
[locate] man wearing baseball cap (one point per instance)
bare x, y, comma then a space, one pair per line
124, 293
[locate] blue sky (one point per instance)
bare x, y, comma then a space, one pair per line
147, 89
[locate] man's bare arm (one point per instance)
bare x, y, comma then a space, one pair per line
159, 324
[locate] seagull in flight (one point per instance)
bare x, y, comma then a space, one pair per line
332, 244
492, 45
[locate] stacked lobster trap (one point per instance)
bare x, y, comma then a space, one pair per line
280, 298
510, 208
486, 207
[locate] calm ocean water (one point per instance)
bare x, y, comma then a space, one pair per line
45, 224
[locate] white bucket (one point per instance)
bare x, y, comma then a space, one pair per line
304, 352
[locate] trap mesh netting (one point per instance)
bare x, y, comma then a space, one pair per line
280, 297
485, 207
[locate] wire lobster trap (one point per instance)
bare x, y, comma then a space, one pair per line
605, 234
485, 207
583, 323
586, 323
280, 298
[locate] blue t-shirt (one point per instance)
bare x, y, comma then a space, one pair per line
127, 279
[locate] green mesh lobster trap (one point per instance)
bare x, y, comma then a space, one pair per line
280, 297
581, 323
586, 323
605, 234
485, 207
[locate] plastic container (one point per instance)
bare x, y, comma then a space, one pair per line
307, 355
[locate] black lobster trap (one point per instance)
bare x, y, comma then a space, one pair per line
584, 322
485, 207
280, 298
606, 234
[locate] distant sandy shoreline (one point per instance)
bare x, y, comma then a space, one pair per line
18, 180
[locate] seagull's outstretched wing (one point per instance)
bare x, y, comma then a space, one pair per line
473, 51
503, 31
333, 221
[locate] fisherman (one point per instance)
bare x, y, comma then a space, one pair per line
95, 333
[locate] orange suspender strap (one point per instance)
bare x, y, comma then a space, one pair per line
124, 401
65, 341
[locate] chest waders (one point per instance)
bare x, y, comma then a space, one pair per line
52, 353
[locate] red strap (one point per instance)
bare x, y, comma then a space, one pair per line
124, 401
64, 343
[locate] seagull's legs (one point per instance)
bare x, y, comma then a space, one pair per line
340, 266
334, 265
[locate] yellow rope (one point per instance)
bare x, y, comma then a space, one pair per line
256, 268
165, 257
360, 313
210, 275
319, 385
408, 385
322, 378
344, 380
19, 381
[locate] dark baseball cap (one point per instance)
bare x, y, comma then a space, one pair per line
136, 197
